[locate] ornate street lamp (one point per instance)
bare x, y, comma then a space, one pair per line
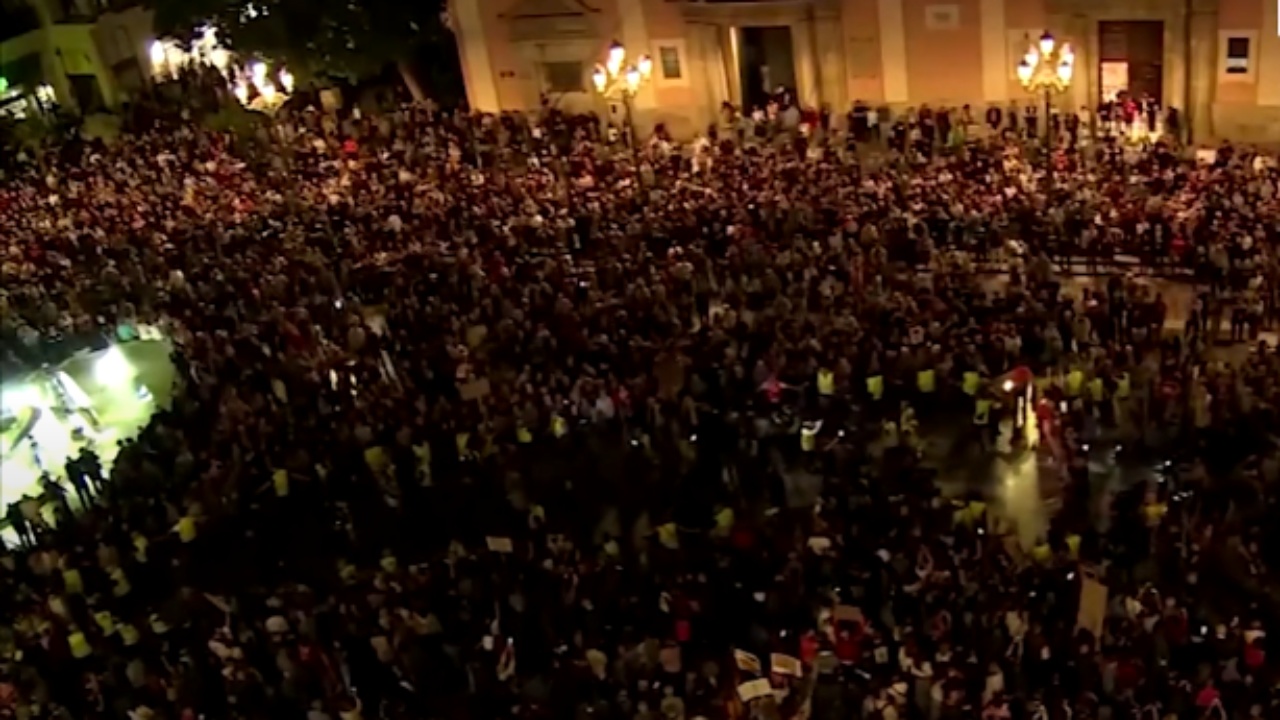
1046, 70
615, 79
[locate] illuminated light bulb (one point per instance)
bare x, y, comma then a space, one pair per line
258, 71
617, 55
645, 66
599, 78
241, 92
633, 79
286, 80
1024, 72
157, 54
1046, 43
1065, 71
220, 58
268, 91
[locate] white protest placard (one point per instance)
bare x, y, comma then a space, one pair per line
785, 665
746, 662
1093, 605
499, 544
754, 689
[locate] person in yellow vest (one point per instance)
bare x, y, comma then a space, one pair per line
1073, 546
1075, 382
1096, 390
186, 529
970, 382
523, 436
120, 586
809, 436
1122, 386
559, 426
889, 431
826, 382
875, 387
280, 482
72, 583
78, 644
129, 634
927, 381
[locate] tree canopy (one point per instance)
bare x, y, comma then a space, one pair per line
350, 39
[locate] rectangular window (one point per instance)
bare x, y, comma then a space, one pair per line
670, 59
563, 77
942, 17
1237, 56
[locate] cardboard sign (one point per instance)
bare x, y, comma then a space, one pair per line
848, 613
785, 665
670, 372
1093, 605
669, 659
499, 544
746, 662
754, 689
820, 545
474, 390
476, 335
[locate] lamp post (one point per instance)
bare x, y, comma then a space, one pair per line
1046, 69
616, 79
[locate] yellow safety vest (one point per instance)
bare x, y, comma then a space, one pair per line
187, 529
890, 433
1073, 546
1095, 389
72, 582
724, 521
1122, 386
1075, 380
1042, 554
462, 440
875, 386
668, 537
121, 585
129, 634
971, 382
376, 458
927, 381
523, 436
559, 427
103, 618
982, 412
1155, 513
280, 481
79, 645
139, 547
808, 438
388, 563
826, 382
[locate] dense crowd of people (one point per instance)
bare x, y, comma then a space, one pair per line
484, 417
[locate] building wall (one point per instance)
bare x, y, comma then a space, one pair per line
901, 53
112, 49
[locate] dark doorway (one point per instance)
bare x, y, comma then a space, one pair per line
765, 63
1131, 59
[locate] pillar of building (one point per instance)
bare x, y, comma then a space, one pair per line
996, 63
893, 52
832, 68
804, 51
707, 50
473, 46
1203, 75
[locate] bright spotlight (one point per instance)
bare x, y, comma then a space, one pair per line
1008, 386
112, 368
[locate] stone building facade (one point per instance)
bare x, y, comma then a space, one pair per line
1216, 60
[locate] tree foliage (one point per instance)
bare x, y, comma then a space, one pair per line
350, 39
